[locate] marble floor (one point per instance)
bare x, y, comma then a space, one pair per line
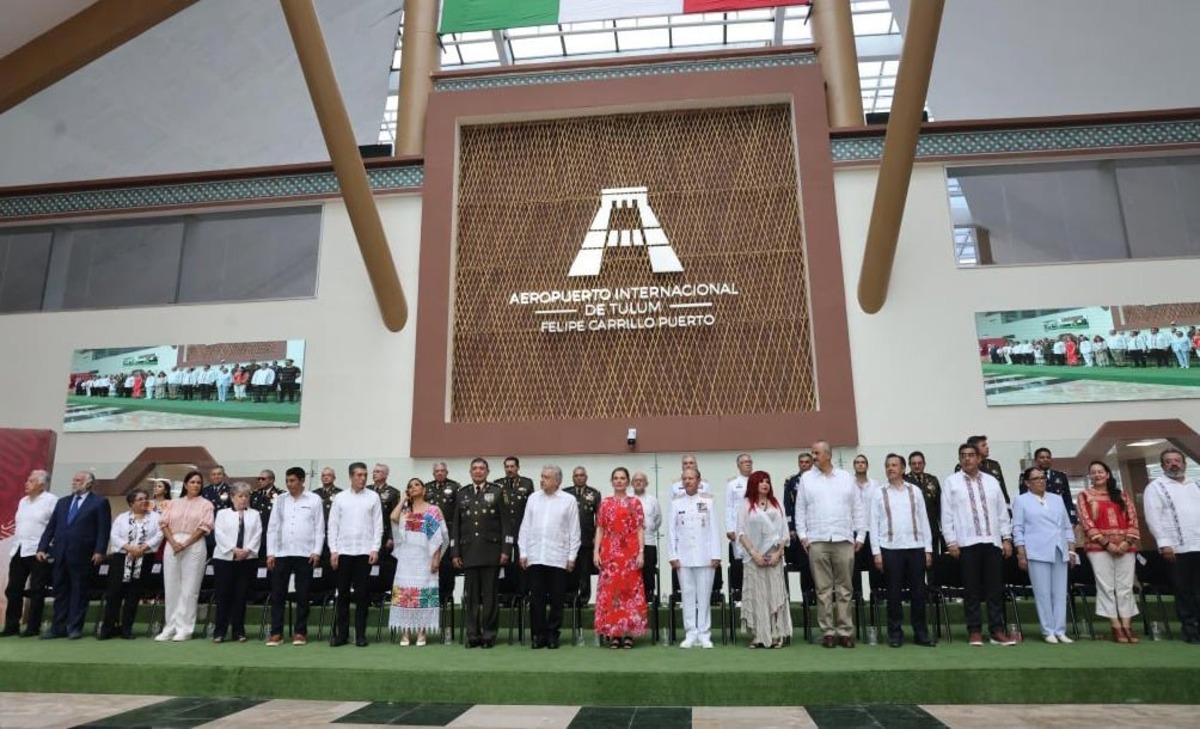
47, 711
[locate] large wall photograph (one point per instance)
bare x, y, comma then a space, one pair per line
186, 386
1090, 354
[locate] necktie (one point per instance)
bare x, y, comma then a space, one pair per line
74, 511
241, 540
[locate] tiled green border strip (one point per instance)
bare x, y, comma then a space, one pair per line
1095, 137
251, 189
533, 78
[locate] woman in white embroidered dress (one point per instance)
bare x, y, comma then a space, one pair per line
420, 536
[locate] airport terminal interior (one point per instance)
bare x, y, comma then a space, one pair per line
508, 281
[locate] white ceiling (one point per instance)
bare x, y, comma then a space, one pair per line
215, 87
25, 20
1014, 58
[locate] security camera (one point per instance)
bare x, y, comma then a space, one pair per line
631, 437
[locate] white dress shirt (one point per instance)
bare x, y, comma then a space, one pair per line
652, 513
550, 533
32, 518
297, 526
897, 518
693, 537
225, 530
735, 499
355, 522
1173, 513
973, 510
828, 507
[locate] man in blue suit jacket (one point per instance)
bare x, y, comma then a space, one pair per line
76, 538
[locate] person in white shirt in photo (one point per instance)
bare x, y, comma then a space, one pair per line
829, 514
295, 539
1172, 504
33, 514
735, 496
694, 551
548, 541
688, 461
978, 532
238, 533
902, 547
652, 513
355, 533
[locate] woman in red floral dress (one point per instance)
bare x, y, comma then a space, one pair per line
620, 596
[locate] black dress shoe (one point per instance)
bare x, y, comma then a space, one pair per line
50, 635
553, 644
128, 636
536, 643
103, 635
9, 631
338, 642
361, 642
474, 642
926, 642
27, 633
488, 644
895, 643
74, 636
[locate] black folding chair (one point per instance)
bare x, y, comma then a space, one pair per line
1082, 586
1153, 578
945, 584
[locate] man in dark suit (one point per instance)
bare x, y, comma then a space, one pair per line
517, 489
77, 539
480, 544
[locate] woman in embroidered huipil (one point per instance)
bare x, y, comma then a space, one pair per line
620, 592
1109, 521
762, 531
420, 537
133, 540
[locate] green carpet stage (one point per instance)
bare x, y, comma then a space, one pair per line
1086, 672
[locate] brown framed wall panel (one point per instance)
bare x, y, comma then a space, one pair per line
833, 415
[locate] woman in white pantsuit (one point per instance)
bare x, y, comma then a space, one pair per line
184, 524
1045, 542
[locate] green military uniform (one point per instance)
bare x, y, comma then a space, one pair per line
931, 489
442, 495
326, 495
516, 493
588, 499
389, 498
479, 534
263, 500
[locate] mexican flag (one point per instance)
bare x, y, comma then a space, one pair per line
465, 15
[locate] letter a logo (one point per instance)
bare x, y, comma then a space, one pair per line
602, 235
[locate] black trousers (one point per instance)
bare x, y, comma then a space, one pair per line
120, 597
232, 581
650, 571
547, 592
584, 565
22, 570
983, 579
285, 569
1185, 573
1139, 357
904, 569
287, 391
446, 573
479, 598
515, 580
353, 572
735, 575
1160, 357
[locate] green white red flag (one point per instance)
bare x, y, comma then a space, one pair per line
460, 16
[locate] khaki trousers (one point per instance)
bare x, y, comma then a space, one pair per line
833, 575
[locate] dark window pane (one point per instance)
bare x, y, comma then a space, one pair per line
125, 264
23, 260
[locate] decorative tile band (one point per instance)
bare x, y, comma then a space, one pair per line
317, 184
534, 78
945, 145
1095, 137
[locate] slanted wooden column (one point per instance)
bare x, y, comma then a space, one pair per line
833, 30
420, 57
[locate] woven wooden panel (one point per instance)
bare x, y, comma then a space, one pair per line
1160, 315
723, 184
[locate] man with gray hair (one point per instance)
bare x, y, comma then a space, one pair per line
77, 539
548, 543
1172, 504
33, 514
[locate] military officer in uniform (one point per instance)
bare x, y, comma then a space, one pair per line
326, 491
931, 490
217, 490
792, 552
1056, 481
694, 551
441, 492
263, 498
517, 489
589, 504
389, 497
480, 544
